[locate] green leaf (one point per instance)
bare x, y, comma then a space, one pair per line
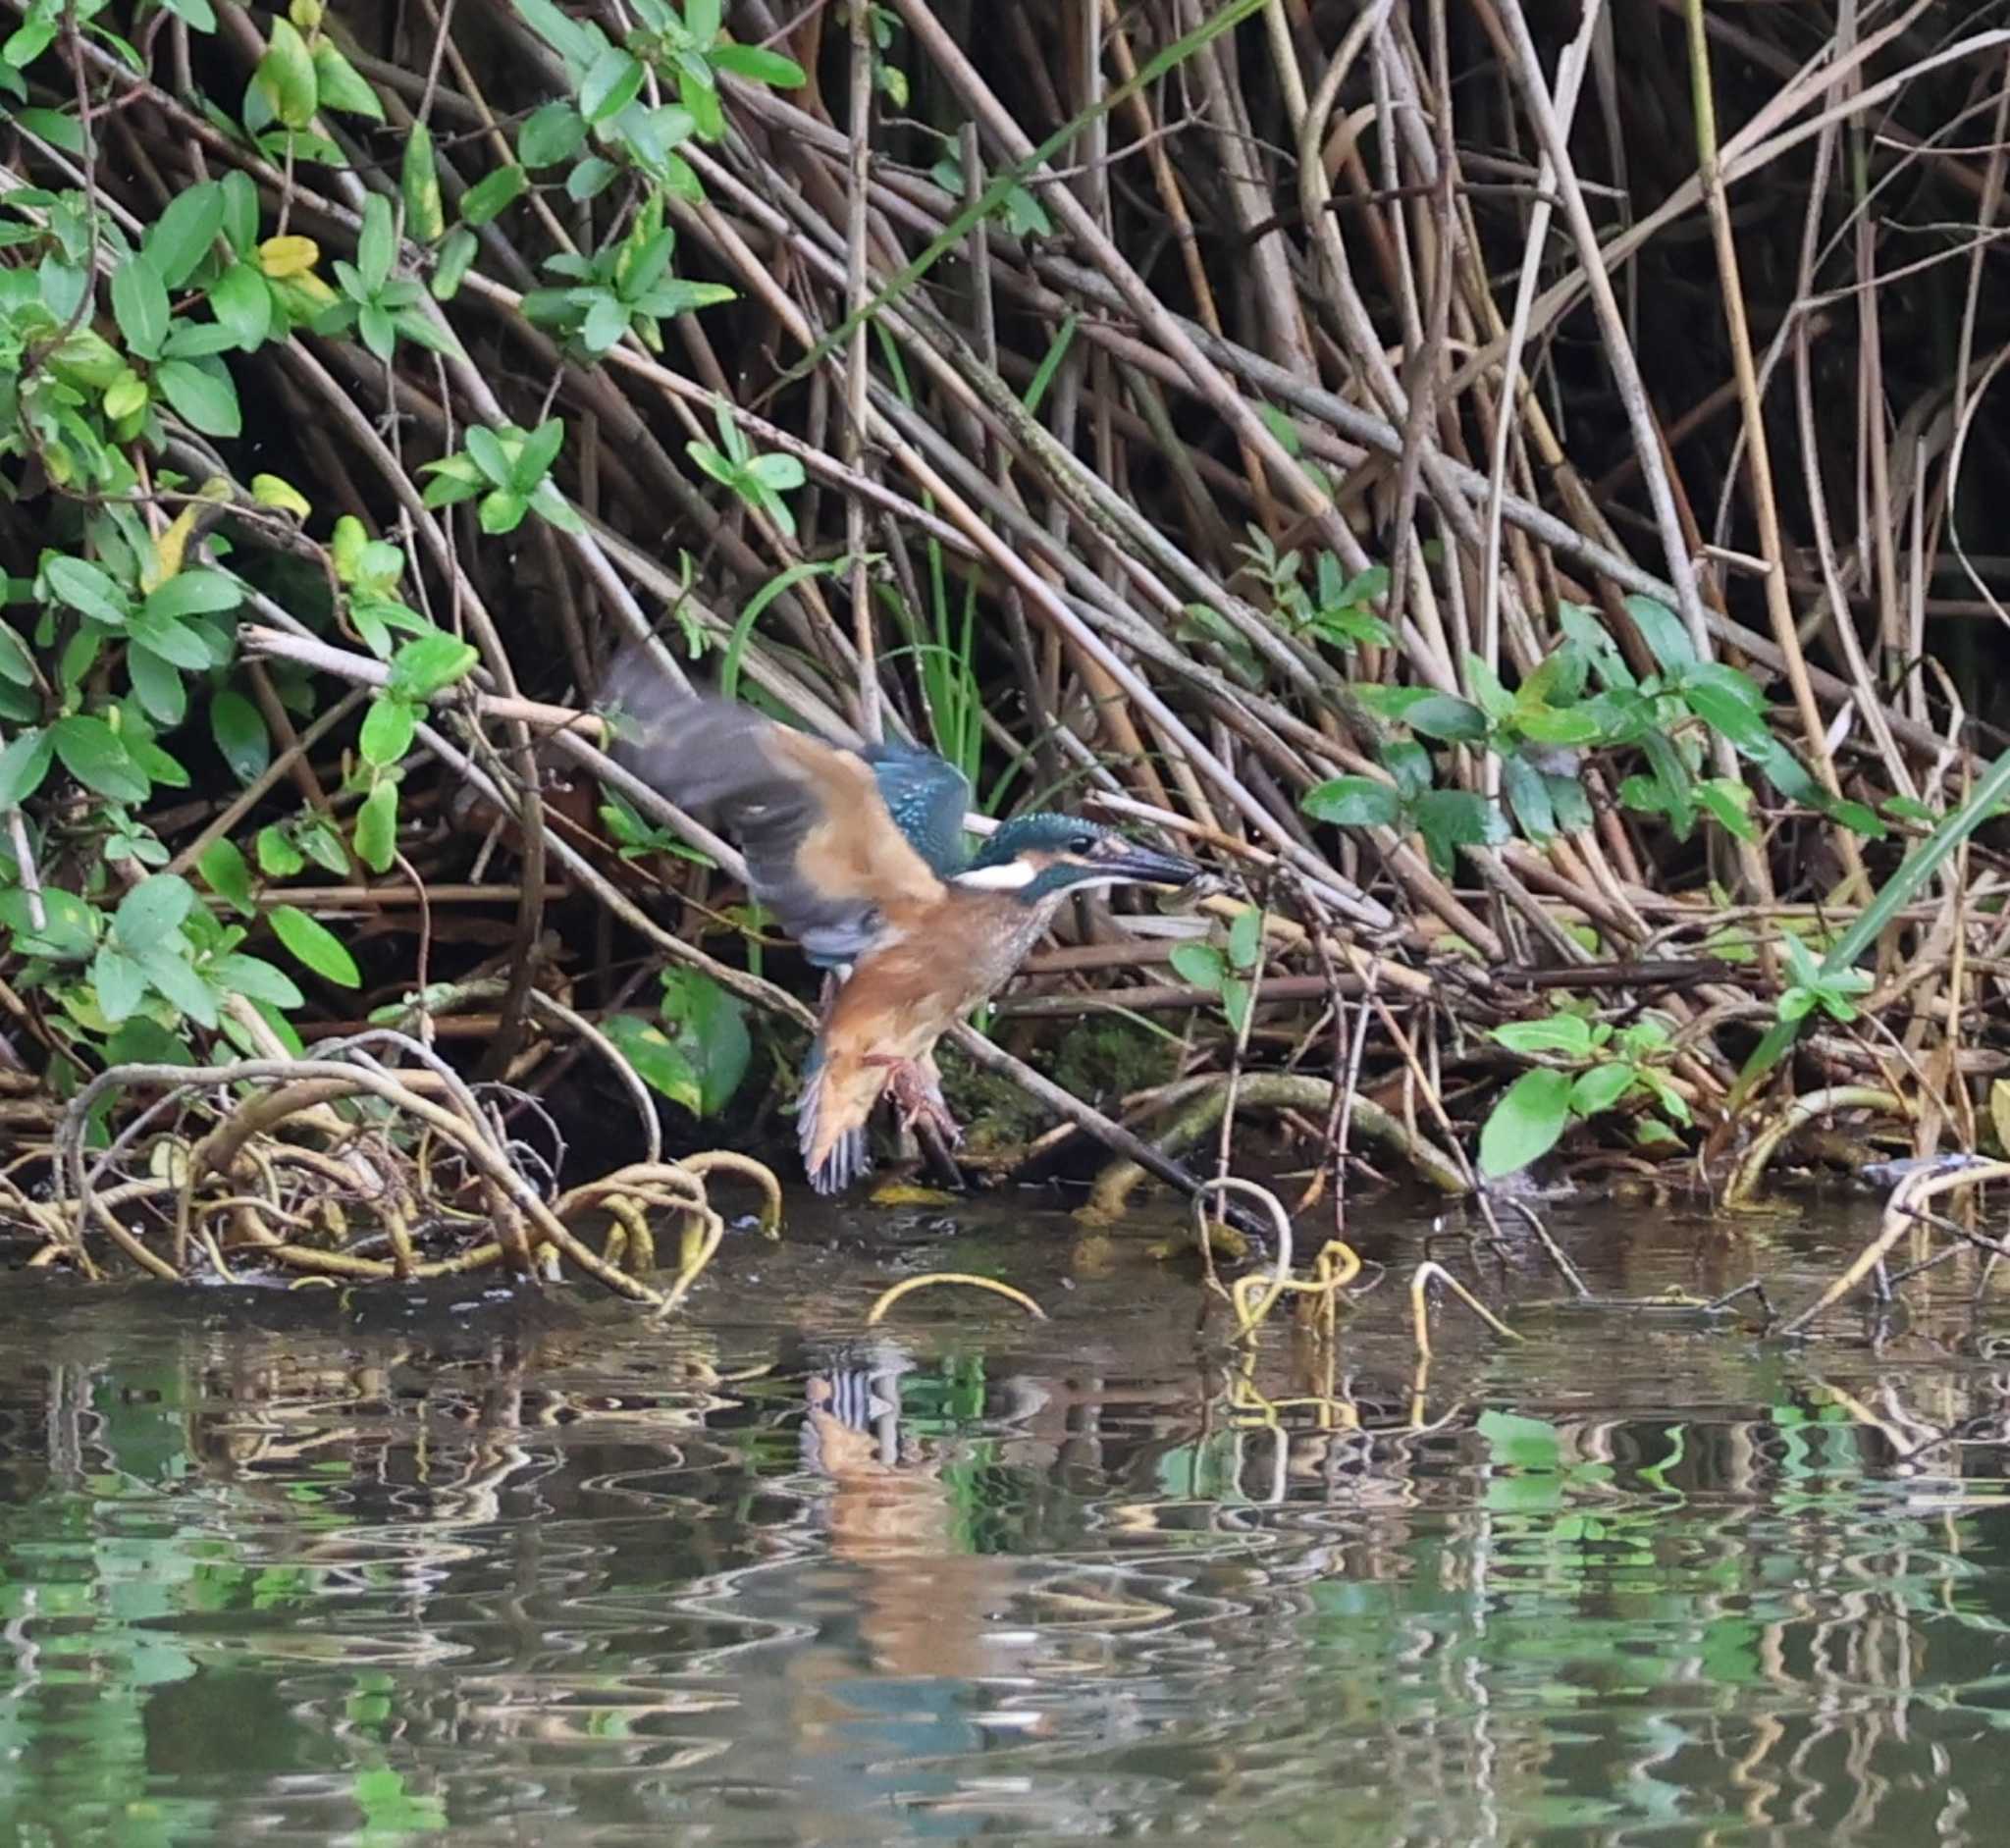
387, 729
1600, 1087
552, 135
241, 300
203, 393
169, 970
1563, 1033
1200, 965
96, 755
1352, 802
425, 218
196, 592
287, 77
171, 641
139, 304
1731, 717
340, 85
590, 179
613, 81
157, 684
1245, 940
429, 664
83, 586
24, 765
318, 835
1529, 797
457, 253
17, 665
485, 449
607, 321
239, 729
540, 450
376, 834
1527, 1123
1450, 818
1664, 632
1730, 804
376, 243
315, 946
502, 511
239, 194
659, 1064
182, 236
119, 982
227, 874
257, 980
197, 14
1440, 715
500, 189
709, 1027
278, 857
760, 66
151, 911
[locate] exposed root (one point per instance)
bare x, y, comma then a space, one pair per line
908, 1285
335, 1167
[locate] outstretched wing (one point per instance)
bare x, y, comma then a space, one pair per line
823, 852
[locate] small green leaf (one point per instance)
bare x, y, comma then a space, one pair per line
1353, 802
500, 189
457, 253
1200, 965
659, 1064
170, 641
611, 82
1600, 1087
1563, 1033
709, 1027
239, 729
241, 300
485, 449
196, 592
139, 304
257, 980
1667, 638
376, 243
151, 911
429, 664
287, 77
17, 665
760, 66
1527, 1123
315, 946
425, 218
552, 135
227, 874
1454, 721
203, 393
1245, 940
24, 765
590, 179
502, 511
376, 833
387, 729
169, 970
119, 983
182, 236
83, 586
95, 755
272, 490
339, 84
278, 857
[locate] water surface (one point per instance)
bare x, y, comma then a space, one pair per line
299, 1567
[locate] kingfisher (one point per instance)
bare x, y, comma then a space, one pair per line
860, 856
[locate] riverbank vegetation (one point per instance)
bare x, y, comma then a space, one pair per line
1511, 491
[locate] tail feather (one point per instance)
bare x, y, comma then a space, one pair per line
830, 1123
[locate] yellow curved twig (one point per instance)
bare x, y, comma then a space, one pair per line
908, 1285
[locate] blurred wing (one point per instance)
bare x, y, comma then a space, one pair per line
823, 850
928, 798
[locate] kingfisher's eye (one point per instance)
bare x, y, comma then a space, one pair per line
1083, 844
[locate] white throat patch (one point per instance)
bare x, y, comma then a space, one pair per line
1009, 876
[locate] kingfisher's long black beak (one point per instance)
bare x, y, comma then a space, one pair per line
1126, 860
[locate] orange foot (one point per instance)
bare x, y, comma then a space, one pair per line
917, 1094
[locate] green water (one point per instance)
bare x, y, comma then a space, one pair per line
275, 1567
